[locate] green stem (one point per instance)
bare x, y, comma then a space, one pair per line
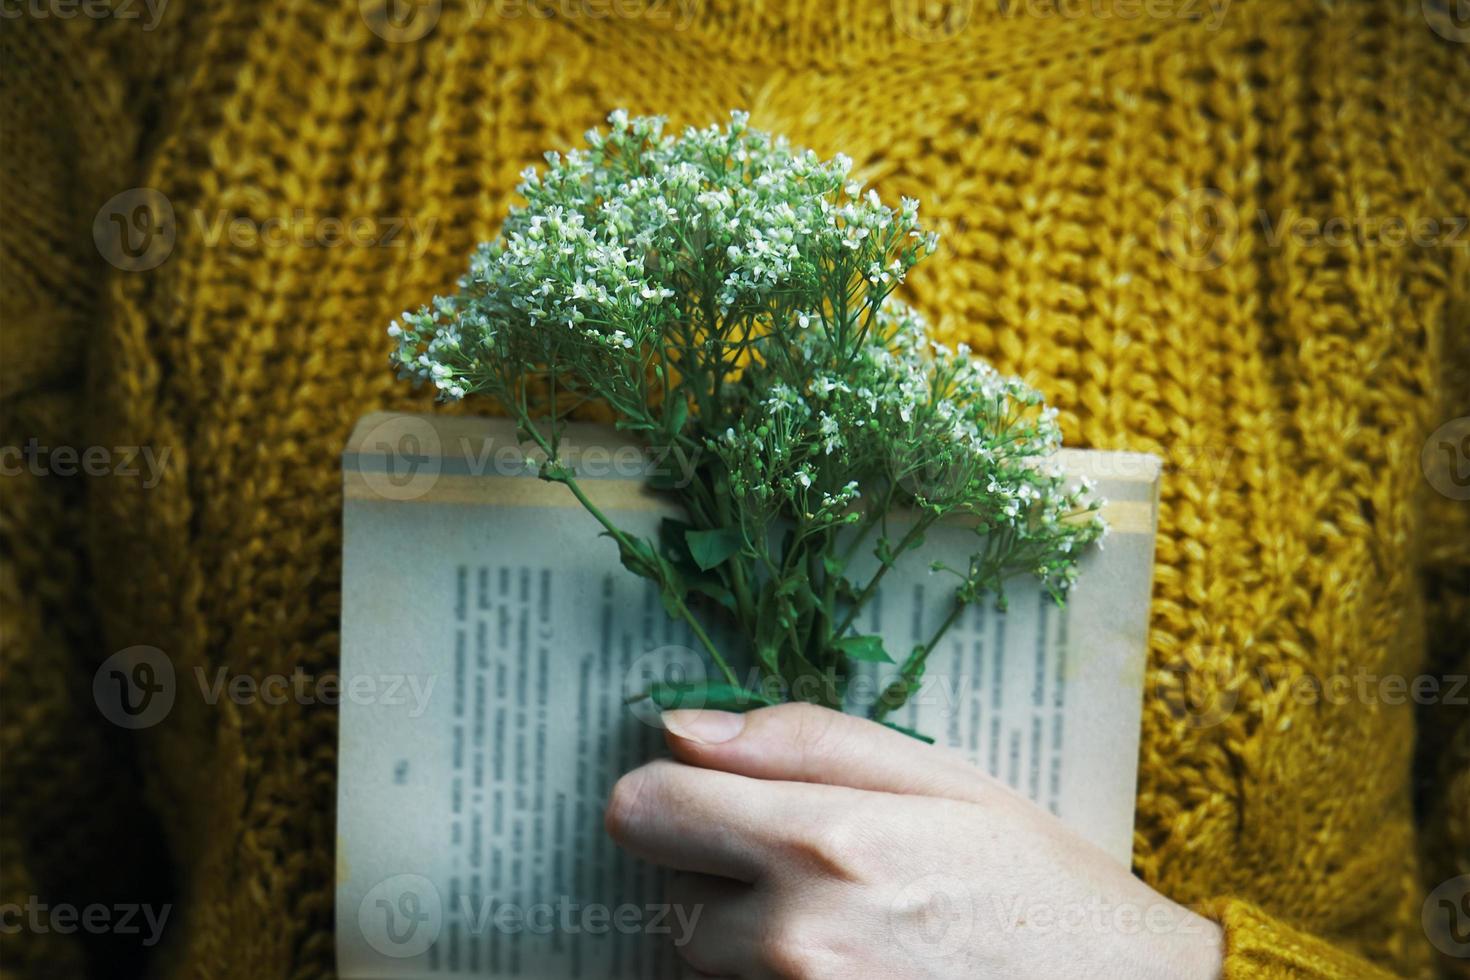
912, 667
708, 645
867, 593
626, 545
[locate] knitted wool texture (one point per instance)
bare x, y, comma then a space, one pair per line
1288, 383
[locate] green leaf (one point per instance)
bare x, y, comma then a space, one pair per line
678, 414
808, 682
711, 587
766, 654
765, 624
710, 548
673, 603
799, 588
671, 533
555, 471
784, 612
905, 730
866, 648
719, 697
637, 556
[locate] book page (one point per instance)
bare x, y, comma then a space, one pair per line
490, 639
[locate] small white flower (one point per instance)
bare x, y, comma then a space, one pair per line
738, 229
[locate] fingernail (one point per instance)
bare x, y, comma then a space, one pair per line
704, 727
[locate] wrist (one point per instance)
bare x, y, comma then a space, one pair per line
1166, 942
1192, 950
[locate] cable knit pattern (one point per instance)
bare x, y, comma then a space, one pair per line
1111, 191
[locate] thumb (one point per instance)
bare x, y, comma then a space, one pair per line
810, 744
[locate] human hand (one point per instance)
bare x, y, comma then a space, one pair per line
823, 845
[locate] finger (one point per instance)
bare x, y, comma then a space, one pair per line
692, 819
716, 924
806, 743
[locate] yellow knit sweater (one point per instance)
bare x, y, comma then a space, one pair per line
1175, 217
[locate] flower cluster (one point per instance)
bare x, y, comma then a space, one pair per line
731, 297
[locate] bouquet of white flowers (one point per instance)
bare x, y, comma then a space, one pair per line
730, 298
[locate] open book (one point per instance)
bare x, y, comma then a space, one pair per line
490, 640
